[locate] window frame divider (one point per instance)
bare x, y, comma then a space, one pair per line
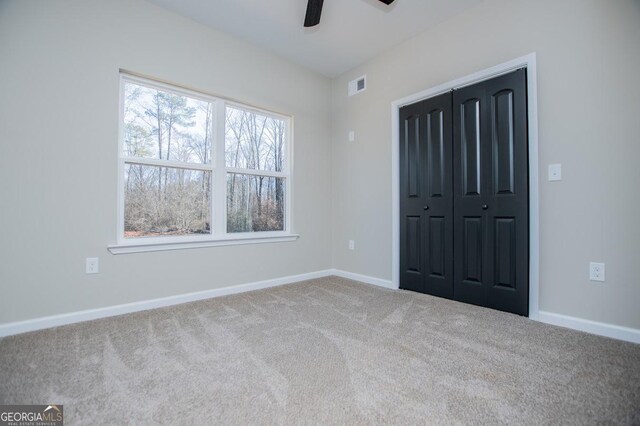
255, 172
219, 197
141, 161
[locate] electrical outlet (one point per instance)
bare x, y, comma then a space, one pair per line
596, 271
92, 265
352, 245
555, 172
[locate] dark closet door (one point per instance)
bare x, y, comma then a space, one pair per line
491, 211
426, 203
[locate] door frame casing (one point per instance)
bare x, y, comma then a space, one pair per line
528, 62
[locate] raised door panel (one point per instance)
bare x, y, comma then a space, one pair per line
436, 153
505, 253
472, 250
470, 259
470, 147
413, 241
413, 166
437, 238
503, 142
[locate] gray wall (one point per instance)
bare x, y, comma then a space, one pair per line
589, 108
59, 65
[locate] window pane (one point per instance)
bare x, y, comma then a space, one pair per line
164, 201
254, 203
162, 125
254, 141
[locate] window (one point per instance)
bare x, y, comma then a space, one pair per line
198, 168
255, 164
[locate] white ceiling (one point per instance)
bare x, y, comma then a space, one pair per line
350, 32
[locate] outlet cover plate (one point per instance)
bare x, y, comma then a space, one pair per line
596, 271
555, 172
92, 265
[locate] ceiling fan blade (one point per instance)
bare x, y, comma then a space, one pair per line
387, 2
314, 10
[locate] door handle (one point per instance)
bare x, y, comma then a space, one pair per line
426, 208
485, 206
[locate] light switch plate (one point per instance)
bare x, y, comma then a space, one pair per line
555, 172
352, 136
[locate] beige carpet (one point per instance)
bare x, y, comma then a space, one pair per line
324, 351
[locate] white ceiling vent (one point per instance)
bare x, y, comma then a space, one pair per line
358, 85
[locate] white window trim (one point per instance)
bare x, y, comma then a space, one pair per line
218, 169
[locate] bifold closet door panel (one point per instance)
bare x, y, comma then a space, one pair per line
412, 256
438, 206
471, 157
508, 213
426, 204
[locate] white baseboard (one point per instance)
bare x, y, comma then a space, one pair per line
364, 278
602, 329
9, 329
12, 328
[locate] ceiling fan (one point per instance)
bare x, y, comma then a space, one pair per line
314, 10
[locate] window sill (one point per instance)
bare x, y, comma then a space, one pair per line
156, 246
